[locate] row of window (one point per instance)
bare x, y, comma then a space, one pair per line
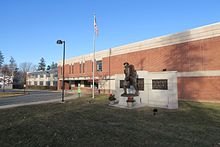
42, 75
82, 67
41, 83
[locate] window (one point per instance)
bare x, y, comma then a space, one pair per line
41, 75
83, 67
47, 74
35, 75
54, 83
35, 83
99, 65
29, 83
87, 83
41, 83
48, 83
72, 69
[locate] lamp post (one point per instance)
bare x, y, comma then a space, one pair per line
62, 42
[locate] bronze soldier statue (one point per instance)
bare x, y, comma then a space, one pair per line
130, 79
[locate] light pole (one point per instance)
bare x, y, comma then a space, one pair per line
62, 42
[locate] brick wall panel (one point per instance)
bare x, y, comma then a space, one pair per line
212, 54
88, 68
59, 71
200, 88
195, 56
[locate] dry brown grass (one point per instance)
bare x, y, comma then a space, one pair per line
83, 123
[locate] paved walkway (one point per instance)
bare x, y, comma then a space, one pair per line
33, 98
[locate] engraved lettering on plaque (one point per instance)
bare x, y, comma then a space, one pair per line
160, 84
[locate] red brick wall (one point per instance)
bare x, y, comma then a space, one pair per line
59, 71
88, 68
199, 88
198, 55
76, 70
191, 56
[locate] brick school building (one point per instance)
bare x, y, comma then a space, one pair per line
194, 54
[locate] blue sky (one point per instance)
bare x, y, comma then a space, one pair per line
29, 28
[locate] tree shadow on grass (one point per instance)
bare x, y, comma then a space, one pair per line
79, 123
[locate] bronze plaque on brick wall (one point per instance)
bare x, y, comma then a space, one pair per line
160, 84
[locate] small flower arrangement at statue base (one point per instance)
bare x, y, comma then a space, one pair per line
130, 101
112, 99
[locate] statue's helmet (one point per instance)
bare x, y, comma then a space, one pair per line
126, 63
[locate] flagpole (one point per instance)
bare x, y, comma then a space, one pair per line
93, 65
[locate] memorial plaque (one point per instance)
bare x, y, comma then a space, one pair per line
141, 84
160, 84
121, 83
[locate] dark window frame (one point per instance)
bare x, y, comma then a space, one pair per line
99, 66
41, 83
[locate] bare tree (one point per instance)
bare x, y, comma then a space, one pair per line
24, 68
33, 68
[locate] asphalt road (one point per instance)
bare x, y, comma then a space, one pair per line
33, 96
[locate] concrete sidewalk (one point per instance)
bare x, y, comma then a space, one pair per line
39, 102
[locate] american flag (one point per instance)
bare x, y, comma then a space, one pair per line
95, 26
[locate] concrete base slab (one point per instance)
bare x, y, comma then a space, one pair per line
126, 107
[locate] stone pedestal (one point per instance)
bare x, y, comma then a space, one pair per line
122, 100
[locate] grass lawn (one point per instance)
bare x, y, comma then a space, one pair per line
80, 123
10, 94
